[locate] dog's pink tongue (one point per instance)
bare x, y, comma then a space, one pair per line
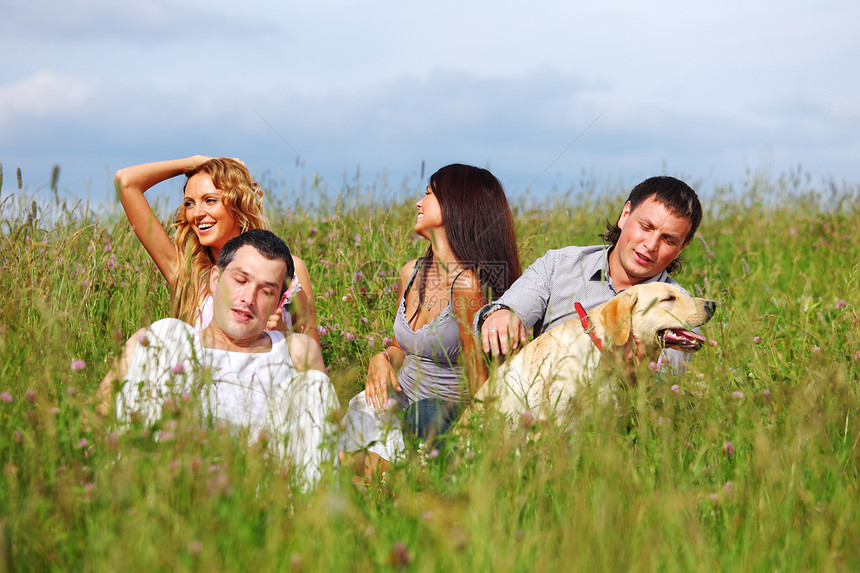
692, 335
689, 334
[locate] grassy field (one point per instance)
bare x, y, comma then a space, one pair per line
749, 461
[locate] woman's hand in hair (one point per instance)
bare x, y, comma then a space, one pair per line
195, 161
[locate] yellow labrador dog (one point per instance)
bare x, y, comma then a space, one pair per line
549, 371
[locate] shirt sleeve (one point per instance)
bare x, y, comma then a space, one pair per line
529, 296
673, 361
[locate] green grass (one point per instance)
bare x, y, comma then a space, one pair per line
749, 461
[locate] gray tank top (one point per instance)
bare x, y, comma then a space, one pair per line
430, 369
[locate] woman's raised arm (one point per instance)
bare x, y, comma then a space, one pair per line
131, 183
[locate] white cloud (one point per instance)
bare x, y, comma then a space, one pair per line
75, 22
46, 96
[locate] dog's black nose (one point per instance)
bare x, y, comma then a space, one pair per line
710, 307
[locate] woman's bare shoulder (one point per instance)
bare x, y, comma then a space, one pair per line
305, 352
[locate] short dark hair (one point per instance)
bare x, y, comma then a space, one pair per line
678, 197
266, 243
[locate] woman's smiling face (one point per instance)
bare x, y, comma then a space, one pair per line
213, 224
429, 217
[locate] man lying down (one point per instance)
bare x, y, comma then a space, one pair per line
263, 381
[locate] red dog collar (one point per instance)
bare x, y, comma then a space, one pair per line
587, 326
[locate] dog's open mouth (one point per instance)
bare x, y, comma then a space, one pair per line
682, 339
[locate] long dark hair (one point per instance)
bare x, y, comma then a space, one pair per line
678, 197
479, 227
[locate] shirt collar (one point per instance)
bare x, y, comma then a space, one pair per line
597, 266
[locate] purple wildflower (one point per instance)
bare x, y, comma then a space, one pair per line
399, 556
527, 418
77, 365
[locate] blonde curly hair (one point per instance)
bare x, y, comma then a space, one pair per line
243, 198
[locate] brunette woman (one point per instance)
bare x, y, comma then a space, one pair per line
435, 359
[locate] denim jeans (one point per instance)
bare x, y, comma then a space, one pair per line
430, 417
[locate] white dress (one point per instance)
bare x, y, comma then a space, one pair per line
260, 391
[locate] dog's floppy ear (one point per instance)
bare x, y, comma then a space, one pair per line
617, 317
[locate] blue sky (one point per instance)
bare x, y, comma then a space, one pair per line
703, 91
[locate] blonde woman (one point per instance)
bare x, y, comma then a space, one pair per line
220, 202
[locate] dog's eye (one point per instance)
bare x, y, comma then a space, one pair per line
670, 298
